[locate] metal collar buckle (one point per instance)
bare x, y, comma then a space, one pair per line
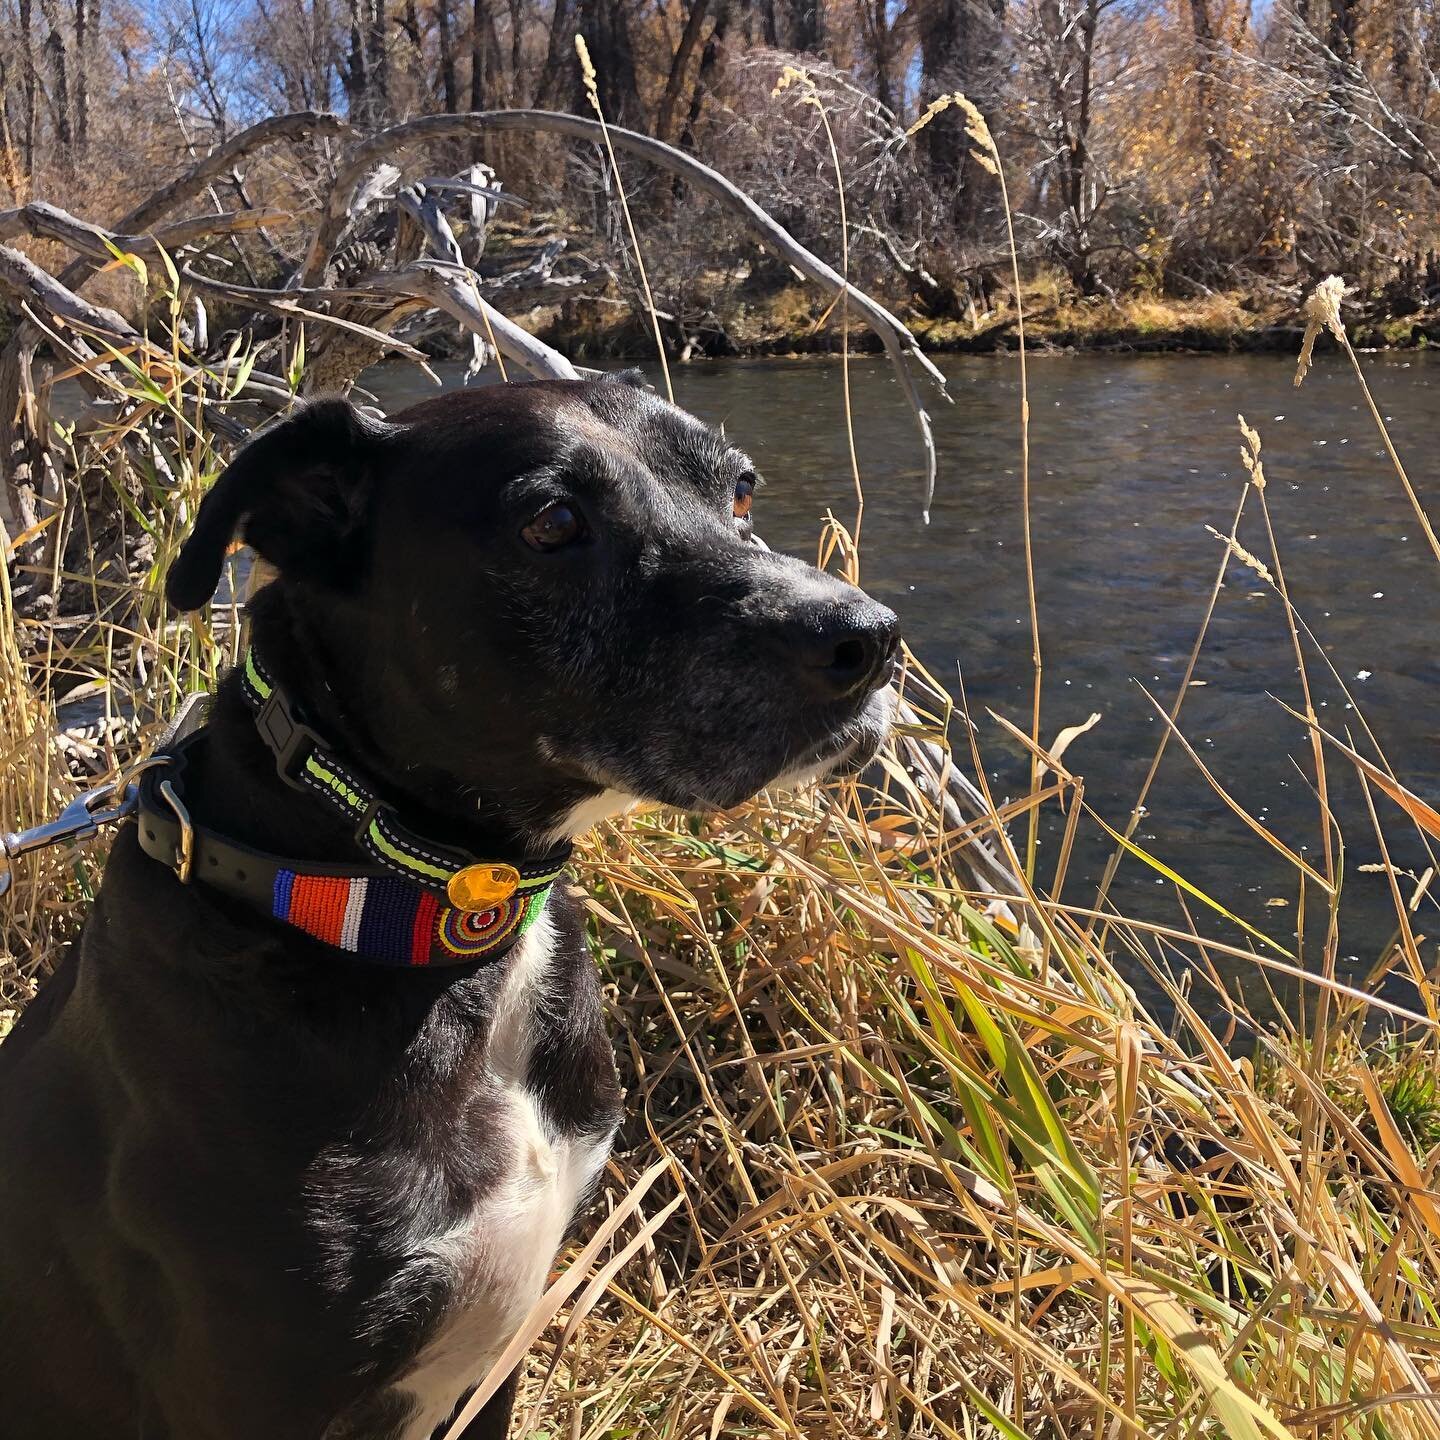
185, 857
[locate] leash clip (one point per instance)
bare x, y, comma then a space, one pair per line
79, 820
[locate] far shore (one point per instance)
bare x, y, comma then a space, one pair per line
795, 322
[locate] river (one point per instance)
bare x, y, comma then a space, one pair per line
1132, 459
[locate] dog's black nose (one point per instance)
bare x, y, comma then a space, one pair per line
846, 649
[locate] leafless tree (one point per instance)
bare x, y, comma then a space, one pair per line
1063, 52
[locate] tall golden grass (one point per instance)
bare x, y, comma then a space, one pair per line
892, 1168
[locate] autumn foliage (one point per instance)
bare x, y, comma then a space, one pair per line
1173, 148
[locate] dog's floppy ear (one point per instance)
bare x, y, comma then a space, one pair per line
297, 493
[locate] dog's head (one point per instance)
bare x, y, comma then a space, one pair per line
551, 591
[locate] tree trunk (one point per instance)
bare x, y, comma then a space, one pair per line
318, 57
553, 75
807, 25
449, 86
1205, 54
9, 159
27, 49
710, 61
959, 50
87, 19
409, 22
60, 71
517, 48
879, 32
479, 79
378, 59
1081, 269
1405, 58
356, 76
1344, 17
605, 24
694, 23
944, 38
769, 25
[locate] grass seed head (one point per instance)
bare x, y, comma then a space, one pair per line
1322, 312
1250, 454
587, 71
1243, 555
987, 156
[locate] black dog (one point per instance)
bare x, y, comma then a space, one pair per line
257, 1185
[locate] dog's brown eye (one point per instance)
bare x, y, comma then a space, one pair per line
554, 526
744, 497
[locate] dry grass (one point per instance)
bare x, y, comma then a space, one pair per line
890, 1169
1056, 316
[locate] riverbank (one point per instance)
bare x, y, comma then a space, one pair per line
795, 320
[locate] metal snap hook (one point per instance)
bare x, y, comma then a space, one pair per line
79, 820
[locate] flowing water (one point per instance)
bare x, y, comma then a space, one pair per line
1132, 458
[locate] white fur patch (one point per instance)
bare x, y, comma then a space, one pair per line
807, 771
501, 1255
586, 815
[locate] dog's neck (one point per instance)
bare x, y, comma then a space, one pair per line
323, 673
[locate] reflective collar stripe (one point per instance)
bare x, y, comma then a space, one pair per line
384, 838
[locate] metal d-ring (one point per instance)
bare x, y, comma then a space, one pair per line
186, 858
127, 780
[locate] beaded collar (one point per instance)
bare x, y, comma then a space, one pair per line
408, 902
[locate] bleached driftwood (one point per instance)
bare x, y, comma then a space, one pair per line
27, 282
458, 291
42, 219
22, 446
95, 243
451, 288
900, 345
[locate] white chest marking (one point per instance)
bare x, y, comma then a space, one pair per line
501, 1255
585, 816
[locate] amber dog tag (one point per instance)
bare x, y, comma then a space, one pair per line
482, 887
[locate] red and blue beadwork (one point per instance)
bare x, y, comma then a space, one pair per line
394, 922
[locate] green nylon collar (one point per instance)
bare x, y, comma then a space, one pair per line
305, 762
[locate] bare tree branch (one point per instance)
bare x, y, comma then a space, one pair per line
52, 223
45, 295
303, 125
900, 345
452, 289
28, 282
90, 240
